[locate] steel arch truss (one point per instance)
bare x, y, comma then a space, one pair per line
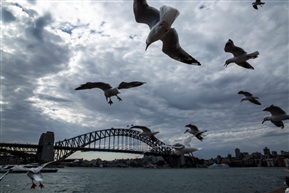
97, 141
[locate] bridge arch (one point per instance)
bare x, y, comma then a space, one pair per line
67, 147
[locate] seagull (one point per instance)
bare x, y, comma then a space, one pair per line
108, 90
256, 3
160, 23
240, 56
193, 129
277, 116
146, 132
249, 97
184, 148
34, 174
167, 17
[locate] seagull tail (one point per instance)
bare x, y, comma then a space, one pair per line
168, 14
254, 54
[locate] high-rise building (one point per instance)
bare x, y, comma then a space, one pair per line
266, 151
237, 152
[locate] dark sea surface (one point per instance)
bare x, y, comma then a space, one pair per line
139, 180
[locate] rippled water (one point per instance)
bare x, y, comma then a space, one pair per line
138, 180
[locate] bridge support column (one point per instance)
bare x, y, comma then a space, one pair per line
46, 151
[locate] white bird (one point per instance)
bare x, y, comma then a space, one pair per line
193, 129
249, 97
107, 88
146, 132
167, 17
256, 3
160, 24
184, 148
277, 116
240, 56
35, 174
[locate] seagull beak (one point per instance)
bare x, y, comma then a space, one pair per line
263, 121
147, 46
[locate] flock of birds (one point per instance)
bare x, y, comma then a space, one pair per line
160, 22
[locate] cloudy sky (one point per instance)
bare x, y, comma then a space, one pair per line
51, 47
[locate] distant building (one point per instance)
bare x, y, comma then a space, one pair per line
274, 153
284, 153
266, 151
237, 153
257, 155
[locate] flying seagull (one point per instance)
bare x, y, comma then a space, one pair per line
108, 90
240, 56
277, 116
249, 97
35, 174
193, 129
160, 23
256, 3
184, 148
146, 132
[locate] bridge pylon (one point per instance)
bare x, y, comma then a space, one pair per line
45, 152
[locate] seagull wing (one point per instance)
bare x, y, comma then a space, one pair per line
274, 110
39, 168
255, 6
245, 65
235, 50
144, 13
4, 175
172, 48
245, 93
126, 85
278, 123
145, 129
255, 101
193, 128
89, 85
153, 138
178, 146
187, 141
20, 167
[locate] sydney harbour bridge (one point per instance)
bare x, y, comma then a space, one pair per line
107, 140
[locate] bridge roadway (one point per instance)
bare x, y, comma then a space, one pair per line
32, 148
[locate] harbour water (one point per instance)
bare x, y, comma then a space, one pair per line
139, 180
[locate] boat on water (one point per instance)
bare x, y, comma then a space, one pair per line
221, 166
5, 168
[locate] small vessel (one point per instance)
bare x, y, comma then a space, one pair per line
5, 168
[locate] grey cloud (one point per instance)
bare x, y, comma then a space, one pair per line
7, 16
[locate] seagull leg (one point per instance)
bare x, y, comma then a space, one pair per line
118, 98
110, 102
33, 185
41, 185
